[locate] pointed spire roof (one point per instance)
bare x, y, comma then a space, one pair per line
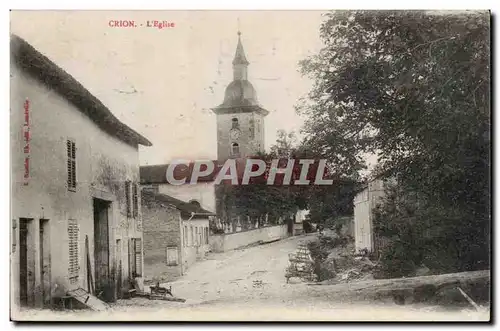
239, 57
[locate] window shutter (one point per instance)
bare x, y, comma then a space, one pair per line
71, 164
185, 236
127, 198
135, 257
138, 257
74, 267
131, 257
135, 198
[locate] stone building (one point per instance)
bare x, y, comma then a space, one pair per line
364, 203
76, 208
175, 235
202, 192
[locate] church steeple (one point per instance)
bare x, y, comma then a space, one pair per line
240, 62
240, 117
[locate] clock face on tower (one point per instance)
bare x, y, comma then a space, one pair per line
234, 134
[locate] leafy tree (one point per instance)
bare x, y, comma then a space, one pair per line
412, 87
286, 144
258, 199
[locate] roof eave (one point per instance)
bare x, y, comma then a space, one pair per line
256, 108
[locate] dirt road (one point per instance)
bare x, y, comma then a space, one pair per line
249, 284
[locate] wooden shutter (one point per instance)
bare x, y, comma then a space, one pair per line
135, 200
74, 267
127, 198
71, 166
138, 257
131, 258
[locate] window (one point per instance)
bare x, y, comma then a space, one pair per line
128, 185
74, 267
191, 243
235, 149
135, 199
234, 123
71, 151
135, 257
172, 256
206, 235
185, 235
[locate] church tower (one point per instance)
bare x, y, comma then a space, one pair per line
240, 118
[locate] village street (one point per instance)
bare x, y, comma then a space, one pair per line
249, 284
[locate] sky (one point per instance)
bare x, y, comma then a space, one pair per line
163, 82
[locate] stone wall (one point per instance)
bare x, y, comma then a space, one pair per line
230, 241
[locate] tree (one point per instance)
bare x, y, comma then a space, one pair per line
413, 87
259, 200
286, 144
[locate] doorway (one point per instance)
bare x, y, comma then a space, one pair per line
104, 288
26, 263
45, 264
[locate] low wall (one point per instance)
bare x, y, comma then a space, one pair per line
229, 241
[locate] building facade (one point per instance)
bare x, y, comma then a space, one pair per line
76, 214
364, 203
202, 192
175, 235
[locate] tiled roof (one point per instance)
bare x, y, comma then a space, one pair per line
185, 207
